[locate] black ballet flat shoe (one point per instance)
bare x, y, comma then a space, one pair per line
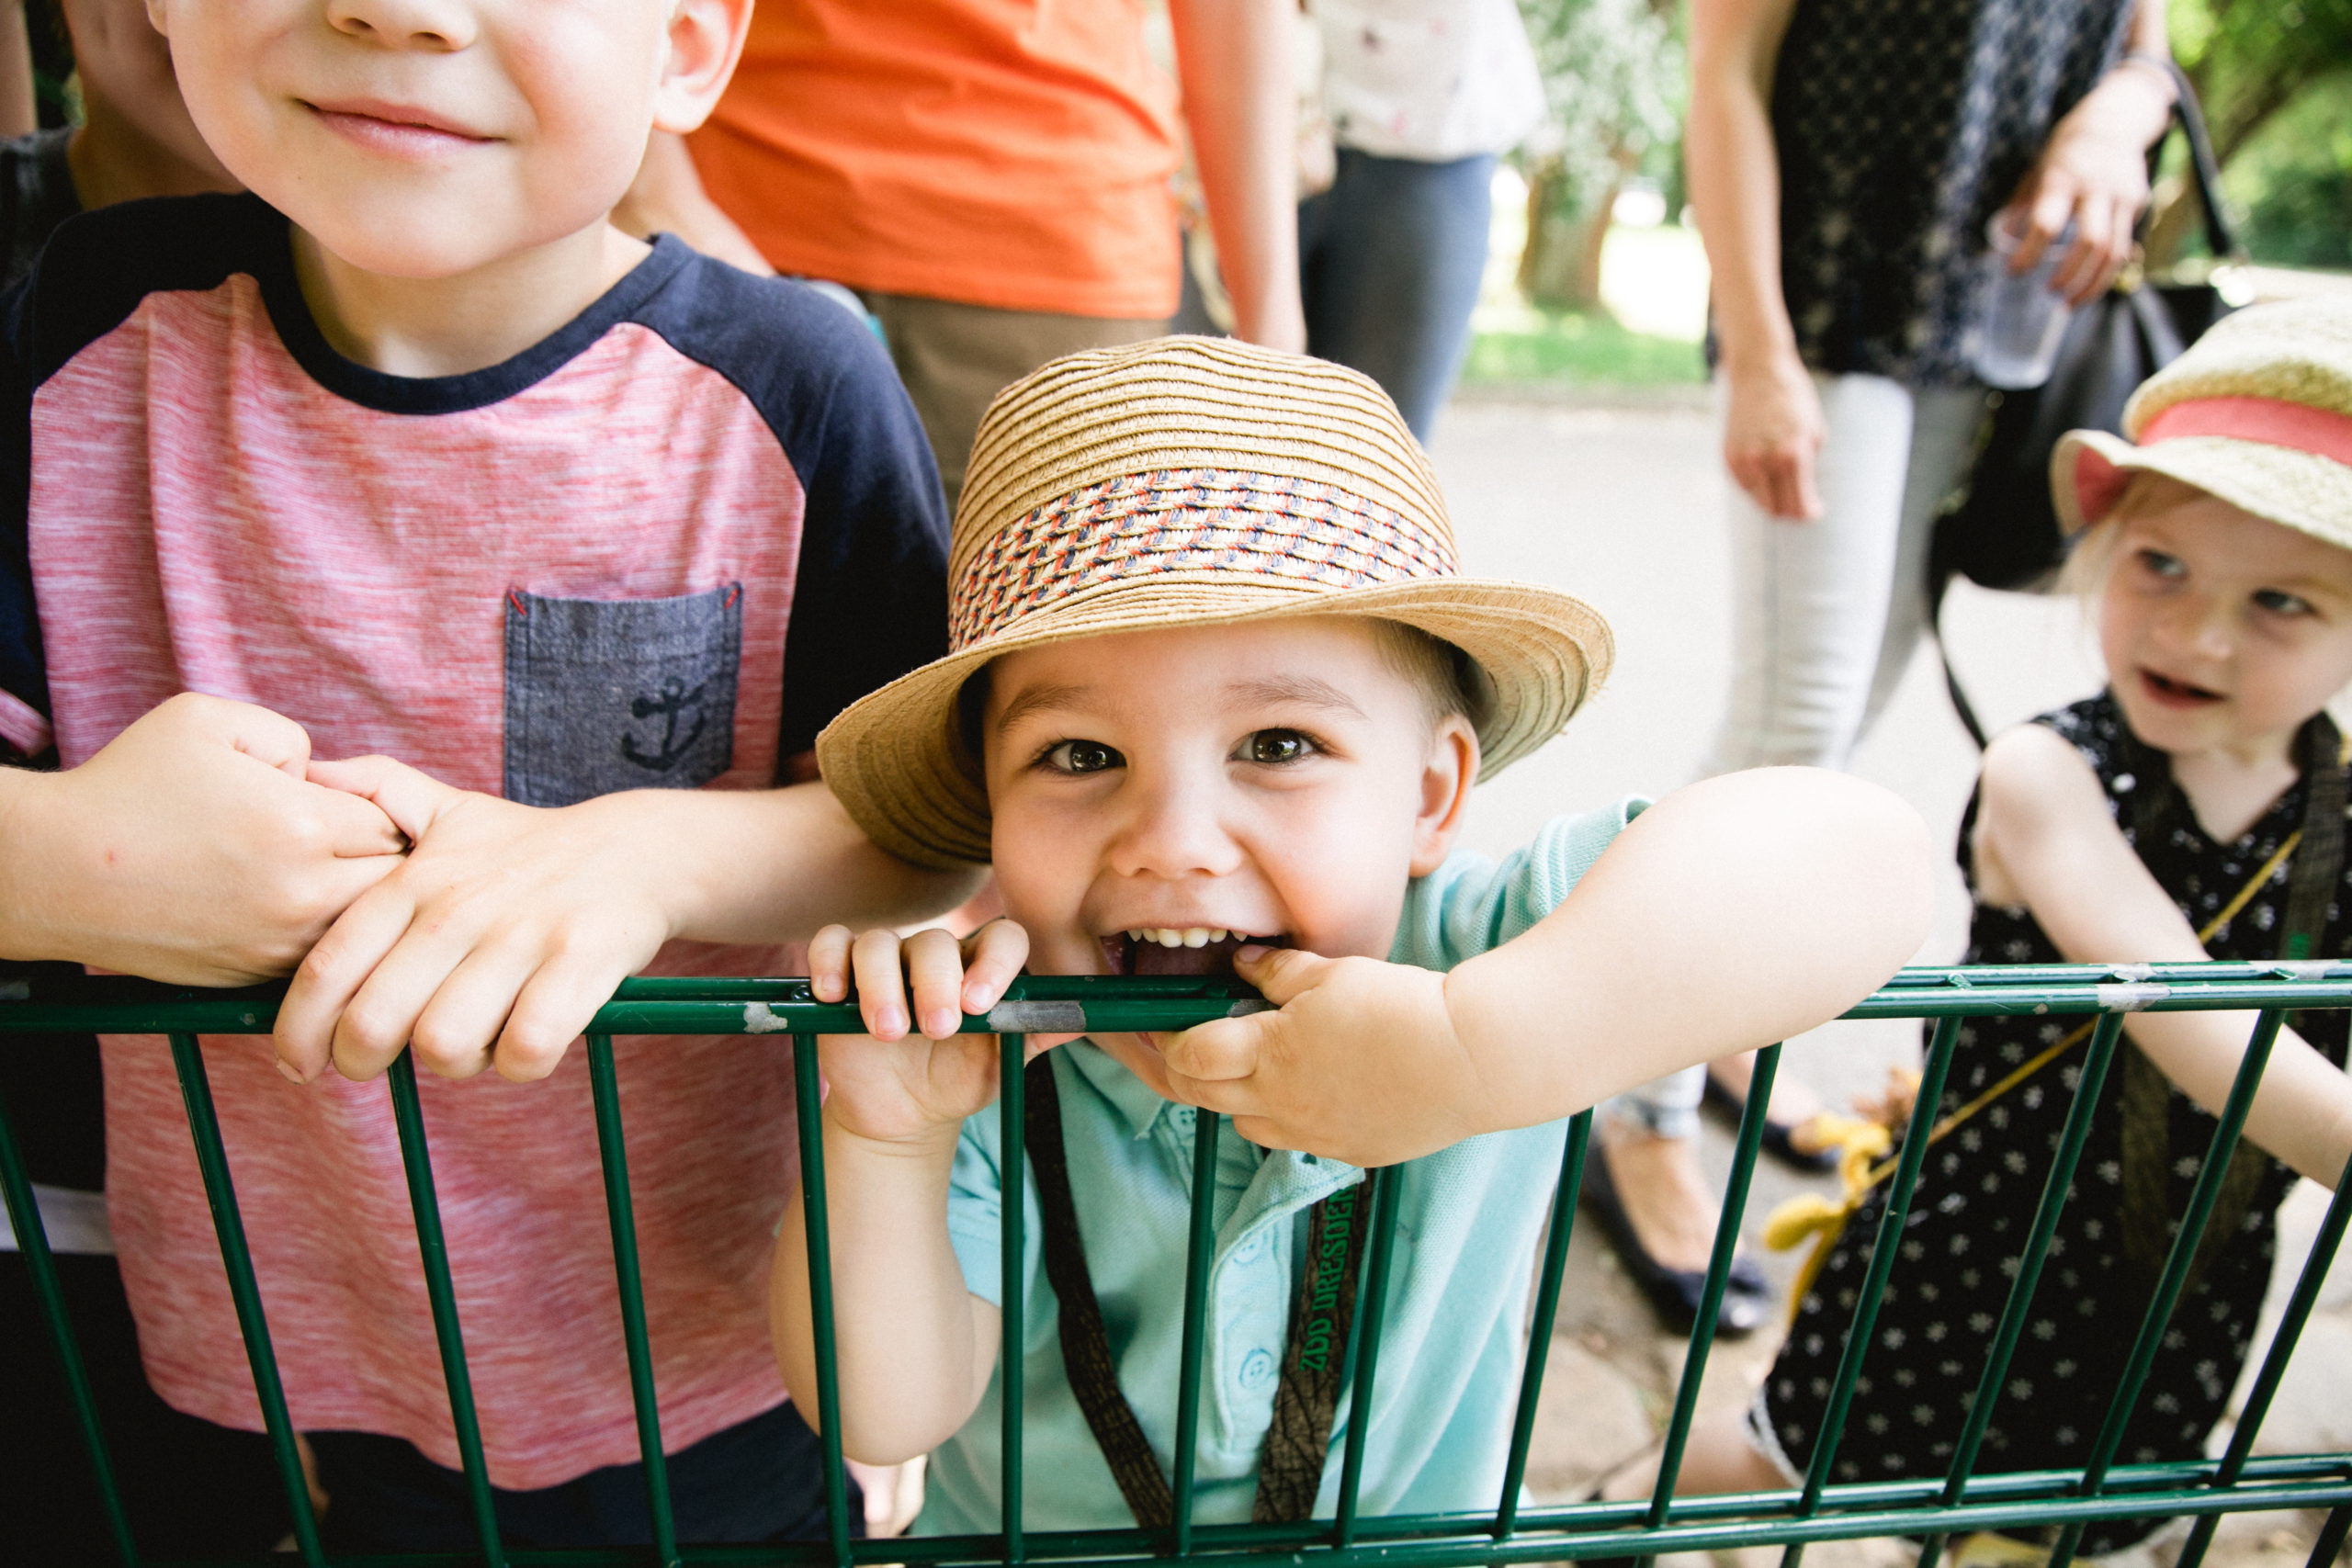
1674, 1293
1779, 1136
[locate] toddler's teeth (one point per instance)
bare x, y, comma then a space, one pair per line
1167, 937
1218, 936
1135, 936
1196, 936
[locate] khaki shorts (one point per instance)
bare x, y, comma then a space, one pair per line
956, 358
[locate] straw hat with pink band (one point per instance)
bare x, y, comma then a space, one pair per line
1181, 482
2258, 412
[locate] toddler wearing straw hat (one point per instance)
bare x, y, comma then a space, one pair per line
2194, 809
1217, 699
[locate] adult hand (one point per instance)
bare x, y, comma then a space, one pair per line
497, 940
2092, 173
1773, 432
190, 848
1359, 1062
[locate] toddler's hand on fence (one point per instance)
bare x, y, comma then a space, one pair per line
912, 1074
1359, 1062
494, 945
189, 849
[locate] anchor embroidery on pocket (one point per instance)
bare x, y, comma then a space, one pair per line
674, 703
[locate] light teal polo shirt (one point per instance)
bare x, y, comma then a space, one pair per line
1451, 1353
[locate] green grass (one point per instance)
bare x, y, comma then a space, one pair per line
1581, 348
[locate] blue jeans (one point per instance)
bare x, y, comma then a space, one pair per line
1389, 263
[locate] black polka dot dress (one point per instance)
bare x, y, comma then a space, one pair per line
1963, 1238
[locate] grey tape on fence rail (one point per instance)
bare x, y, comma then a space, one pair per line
2131, 997
1038, 1018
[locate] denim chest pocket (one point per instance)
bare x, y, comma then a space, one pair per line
606, 694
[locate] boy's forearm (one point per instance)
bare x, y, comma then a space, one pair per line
1733, 914
758, 866
910, 1345
23, 935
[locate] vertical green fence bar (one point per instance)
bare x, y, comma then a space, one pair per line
408, 1115
1371, 1310
1539, 1327
2331, 1539
1711, 1299
32, 1241
1013, 1278
2175, 1278
605, 1089
816, 1223
213, 1161
1884, 1248
2070, 1139
1198, 1254
2308, 1285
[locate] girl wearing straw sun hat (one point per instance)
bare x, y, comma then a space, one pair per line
1218, 695
2194, 809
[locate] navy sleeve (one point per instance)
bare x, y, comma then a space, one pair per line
24, 674
86, 281
871, 600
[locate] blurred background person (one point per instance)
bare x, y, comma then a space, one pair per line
1421, 96
993, 177
1846, 159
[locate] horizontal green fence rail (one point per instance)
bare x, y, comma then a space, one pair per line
1931, 1510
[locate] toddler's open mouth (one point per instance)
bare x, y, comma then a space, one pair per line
2177, 694
1191, 950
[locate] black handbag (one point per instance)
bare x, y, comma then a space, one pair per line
2001, 530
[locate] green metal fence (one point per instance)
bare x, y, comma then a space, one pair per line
1931, 1509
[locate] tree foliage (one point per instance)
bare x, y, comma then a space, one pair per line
1614, 83
2250, 59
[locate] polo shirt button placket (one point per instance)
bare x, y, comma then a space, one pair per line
1257, 1370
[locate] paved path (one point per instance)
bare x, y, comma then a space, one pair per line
1623, 506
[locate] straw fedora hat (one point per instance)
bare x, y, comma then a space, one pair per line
1191, 481
2258, 412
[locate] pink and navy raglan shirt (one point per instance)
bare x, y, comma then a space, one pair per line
662, 548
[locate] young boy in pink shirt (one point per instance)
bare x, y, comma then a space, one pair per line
411, 453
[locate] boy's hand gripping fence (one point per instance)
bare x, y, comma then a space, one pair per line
1931, 1509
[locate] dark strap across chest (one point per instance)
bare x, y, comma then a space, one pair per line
2312, 880
1290, 1467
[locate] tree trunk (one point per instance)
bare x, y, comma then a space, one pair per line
1561, 266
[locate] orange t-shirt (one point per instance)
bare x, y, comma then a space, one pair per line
1016, 154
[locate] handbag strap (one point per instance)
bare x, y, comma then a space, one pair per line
2148, 1221
2204, 168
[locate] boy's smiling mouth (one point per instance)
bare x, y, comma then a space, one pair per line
1186, 950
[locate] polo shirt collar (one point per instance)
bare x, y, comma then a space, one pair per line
1139, 1107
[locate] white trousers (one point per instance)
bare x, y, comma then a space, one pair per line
1825, 614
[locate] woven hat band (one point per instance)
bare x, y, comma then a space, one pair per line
2273, 421
1277, 529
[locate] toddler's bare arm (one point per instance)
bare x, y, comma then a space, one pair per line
1733, 913
914, 1346
2043, 834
